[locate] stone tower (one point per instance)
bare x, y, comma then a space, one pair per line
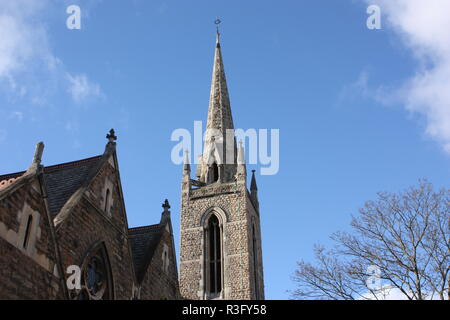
220, 256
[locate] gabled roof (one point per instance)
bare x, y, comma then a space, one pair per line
144, 241
62, 180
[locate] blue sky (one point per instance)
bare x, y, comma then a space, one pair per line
359, 111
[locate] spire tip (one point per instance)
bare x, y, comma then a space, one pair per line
217, 22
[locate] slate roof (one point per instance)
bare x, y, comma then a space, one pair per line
144, 241
64, 179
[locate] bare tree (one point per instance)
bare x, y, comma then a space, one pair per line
400, 240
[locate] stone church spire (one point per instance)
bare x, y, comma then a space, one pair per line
218, 162
219, 111
220, 232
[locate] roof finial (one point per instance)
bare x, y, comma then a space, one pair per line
38, 153
165, 215
166, 205
186, 160
217, 22
37, 157
111, 136
241, 156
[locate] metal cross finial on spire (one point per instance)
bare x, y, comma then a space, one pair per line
217, 22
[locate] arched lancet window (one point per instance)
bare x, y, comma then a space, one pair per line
96, 277
26, 238
107, 201
166, 262
215, 172
255, 260
214, 257
165, 259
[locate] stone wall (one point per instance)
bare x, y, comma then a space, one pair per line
88, 224
27, 272
160, 281
256, 266
229, 201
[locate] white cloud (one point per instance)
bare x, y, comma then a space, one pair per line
14, 47
424, 28
386, 292
22, 41
28, 67
389, 292
80, 88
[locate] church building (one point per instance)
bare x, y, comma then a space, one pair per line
64, 231
58, 220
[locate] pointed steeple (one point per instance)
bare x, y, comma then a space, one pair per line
253, 186
186, 165
254, 192
219, 111
219, 152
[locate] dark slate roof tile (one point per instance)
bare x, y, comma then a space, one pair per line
144, 241
63, 180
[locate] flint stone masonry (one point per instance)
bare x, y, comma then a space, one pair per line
221, 191
231, 201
